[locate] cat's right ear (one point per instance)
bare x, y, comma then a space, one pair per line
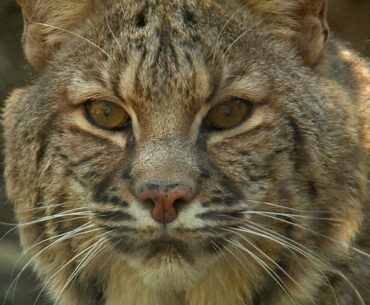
46, 26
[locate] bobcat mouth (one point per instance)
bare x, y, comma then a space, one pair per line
171, 248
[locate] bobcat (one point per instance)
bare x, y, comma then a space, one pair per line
191, 152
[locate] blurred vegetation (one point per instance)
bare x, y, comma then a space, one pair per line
349, 18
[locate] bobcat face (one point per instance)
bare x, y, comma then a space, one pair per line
176, 135
183, 172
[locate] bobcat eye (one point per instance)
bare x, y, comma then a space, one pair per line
106, 115
229, 114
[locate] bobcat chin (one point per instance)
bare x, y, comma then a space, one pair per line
193, 152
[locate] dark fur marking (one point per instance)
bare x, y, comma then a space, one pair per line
231, 186
127, 175
83, 160
121, 243
201, 143
130, 147
137, 84
189, 18
153, 187
117, 201
301, 158
99, 193
284, 192
221, 215
141, 19
114, 216
204, 173
63, 156
76, 130
214, 245
43, 139
98, 292
41, 153
71, 174
226, 199
106, 199
92, 290
257, 299
189, 60
312, 189
121, 230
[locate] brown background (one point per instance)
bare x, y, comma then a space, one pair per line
349, 18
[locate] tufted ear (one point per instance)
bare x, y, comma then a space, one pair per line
46, 26
303, 22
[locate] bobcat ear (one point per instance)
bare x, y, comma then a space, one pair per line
303, 22
314, 31
46, 26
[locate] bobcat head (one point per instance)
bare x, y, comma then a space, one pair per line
183, 152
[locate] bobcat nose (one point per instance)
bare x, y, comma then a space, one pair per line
165, 199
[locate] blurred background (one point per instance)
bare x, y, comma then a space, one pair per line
349, 18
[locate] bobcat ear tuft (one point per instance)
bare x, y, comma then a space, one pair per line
302, 22
46, 26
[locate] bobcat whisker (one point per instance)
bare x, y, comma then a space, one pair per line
304, 217
350, 284
115, 38
219, 251
308, 253
282, 206
66, 213
290, 215
318, 234
17, 226
273, 262
74, 34
35, 256
332, 290
44, 207
96, 249
224, 27
243, 35
265, 266
304, 228
286, 244
52, 217
63, 267
284, 241
71, 234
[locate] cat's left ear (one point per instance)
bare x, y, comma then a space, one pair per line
301, 22
47, 24
313, 32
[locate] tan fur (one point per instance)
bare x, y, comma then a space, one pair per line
280, 211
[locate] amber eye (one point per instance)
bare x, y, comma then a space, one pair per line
229, 114
106, 115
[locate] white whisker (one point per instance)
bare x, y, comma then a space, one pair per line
265, 266
74, 34
274, 263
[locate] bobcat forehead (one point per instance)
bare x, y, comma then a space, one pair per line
191, 152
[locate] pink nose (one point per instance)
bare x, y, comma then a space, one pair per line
165, 199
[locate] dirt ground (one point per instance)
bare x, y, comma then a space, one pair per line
349, 18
